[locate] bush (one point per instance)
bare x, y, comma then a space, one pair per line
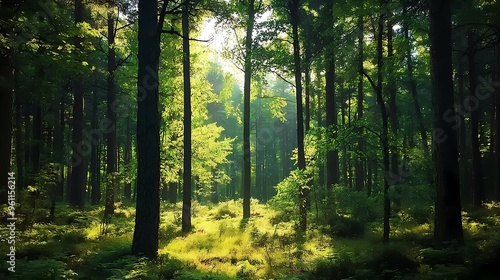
344, 227
339, 267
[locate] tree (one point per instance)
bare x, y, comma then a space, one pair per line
78, 174
293, 7
147, 217
186, 189
6, 98
448, 217
246, 109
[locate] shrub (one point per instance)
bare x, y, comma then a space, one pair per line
344, 227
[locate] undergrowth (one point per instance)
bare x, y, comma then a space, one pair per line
268, 246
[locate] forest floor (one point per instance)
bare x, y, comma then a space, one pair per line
222, 246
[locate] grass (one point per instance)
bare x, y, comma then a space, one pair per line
222, 246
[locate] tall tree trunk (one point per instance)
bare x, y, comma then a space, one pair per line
6, 98
465, 182
319, 117
127, 190
391, 87
293, 6
147, 219
332, 157
19, 147
448, 218
385, 129
497, 123
186, 67
246, 110
95, 165
308, 88
111, 159
37, 139
477, 172
360, 172
77, 195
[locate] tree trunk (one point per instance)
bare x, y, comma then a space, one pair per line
448, 218
111, 159
294, 13
127, 157
393, 117
187, 188
497, 122
360, 172
319, 117
77, 194
19, 147
474, 108
147, 217
95, 165
385, 132
246, 111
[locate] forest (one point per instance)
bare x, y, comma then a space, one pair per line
250, 139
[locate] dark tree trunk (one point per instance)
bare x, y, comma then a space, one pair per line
127, 157
95, 165
246, 110
308, 88
77, 195
187, 188
448, 218
293, 6
19, 147
385, 129
111, 159
37, 139
465, 180
147, 217
393, 117
497, 123
360, 172
332, 156
172, 192
477, 171
6, 106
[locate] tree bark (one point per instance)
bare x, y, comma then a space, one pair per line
95, 169
477, 171
293, 6
246, 110
147, 217
77, 194
360, 172
448, 218
385, 129
187, 188
497, 122
111, 157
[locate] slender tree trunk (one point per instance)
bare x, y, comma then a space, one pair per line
474, 106
77, 195
308, 88
95, 165
294, 13
497, 122
319, 117
111, 159
393, 117
127, 190
19, 147
37, 139
360, 172
147, 219
448, 218
246, 110
187, 188
6, 106
465, 182
385, 129
332, 161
